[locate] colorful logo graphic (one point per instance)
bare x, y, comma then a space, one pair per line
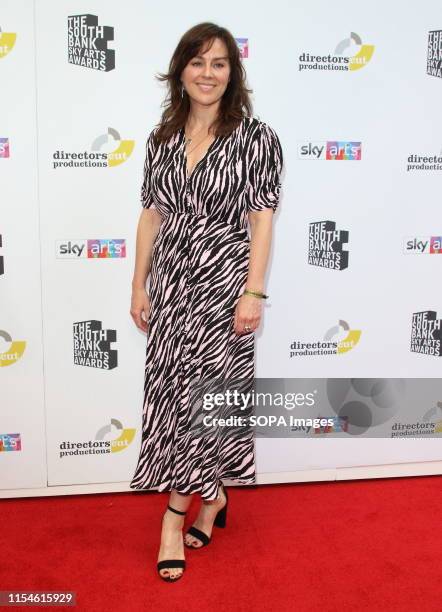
14, 352
98, 248
330, 150
2, 261
423, 245
10, 442
243, 44
434, 53
7, 42
112, 438
326, 246
4, 147
107, 151
426, 333
87, 43
349, 55
337, 340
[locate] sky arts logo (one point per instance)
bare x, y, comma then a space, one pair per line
350, 54
87, 43
326, 246
107, 151
10, 442
434, 53
423, 245
243, 46
7, 42
112, 438
424, 162
97, 248
92, 345
14, 352
426, 333
337, 340
330, 150
4, 147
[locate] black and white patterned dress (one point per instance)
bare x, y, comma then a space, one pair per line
198, 272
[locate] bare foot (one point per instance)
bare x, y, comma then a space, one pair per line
171, 546
206, 518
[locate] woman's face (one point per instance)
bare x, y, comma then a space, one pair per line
206, 76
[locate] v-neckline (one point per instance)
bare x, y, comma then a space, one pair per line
209, 149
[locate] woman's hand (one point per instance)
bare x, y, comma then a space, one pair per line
247, 312
140, 303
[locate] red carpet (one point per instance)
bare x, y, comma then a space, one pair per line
343, 546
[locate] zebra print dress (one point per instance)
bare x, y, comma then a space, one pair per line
198, 271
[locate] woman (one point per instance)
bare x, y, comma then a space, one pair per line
211, 169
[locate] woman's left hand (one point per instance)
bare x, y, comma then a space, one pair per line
247, 313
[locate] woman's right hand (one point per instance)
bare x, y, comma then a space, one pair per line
140, 303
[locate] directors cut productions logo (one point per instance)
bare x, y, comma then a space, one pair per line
337, 340
434, 53
87, 43
330, 150
326, 246
14, 352
112, 438
426, 333
98, 248
423, 245
92, 345
7, 42
350, 54
107, 151
424, 162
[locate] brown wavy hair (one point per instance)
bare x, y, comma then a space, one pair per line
235, 102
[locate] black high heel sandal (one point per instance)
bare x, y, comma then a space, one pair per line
220, 521
171, 563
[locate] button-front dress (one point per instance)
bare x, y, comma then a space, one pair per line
198, 271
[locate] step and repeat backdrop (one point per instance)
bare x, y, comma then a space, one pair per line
355, 307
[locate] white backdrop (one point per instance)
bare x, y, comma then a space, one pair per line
65, 420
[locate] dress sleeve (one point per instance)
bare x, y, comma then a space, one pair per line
147, 200
265, 171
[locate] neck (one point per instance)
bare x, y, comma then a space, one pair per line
201, 117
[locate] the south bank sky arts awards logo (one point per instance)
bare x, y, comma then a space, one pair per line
112, 438
326, 246
14, 350
107, 151
7, 42
92, 345
88, 43
350, 54
426, 333
338, 340
434, 53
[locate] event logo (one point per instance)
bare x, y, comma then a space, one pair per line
92, 345
325, 246
14, 352
434, 53
340, 425
10, 442
434, 417
420, 245
350, 54
426, 162
330, 149
4, 147
2, 261
337, 340
98, 248
107, 151
243, 45
87, 43
7, 42
112, 438
426, 333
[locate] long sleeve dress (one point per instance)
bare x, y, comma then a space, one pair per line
198, 271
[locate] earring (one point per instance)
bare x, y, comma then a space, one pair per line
182, 91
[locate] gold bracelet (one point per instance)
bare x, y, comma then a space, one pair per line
256, 294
